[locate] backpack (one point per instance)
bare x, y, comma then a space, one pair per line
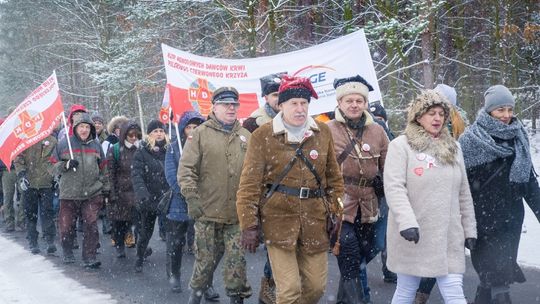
116, 152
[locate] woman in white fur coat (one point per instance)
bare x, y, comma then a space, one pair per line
431, 217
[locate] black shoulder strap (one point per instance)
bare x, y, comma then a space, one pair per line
310, 166
283, 173
341, 158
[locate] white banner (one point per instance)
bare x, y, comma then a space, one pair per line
192, 79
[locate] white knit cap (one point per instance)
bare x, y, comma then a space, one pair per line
352, 88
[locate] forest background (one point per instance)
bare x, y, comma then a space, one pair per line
107, 53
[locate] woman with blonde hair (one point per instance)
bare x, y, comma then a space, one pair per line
149, 183
431, 217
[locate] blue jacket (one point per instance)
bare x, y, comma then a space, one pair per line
178, 209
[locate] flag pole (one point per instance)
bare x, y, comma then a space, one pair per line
67, 137
178, 137
170, 119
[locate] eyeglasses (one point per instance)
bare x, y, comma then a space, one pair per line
228, 105
132, 135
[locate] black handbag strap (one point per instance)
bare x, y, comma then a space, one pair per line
493, 175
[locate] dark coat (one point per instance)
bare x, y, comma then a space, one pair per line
91, 177
498, 205
178, 210
148, 174
122, 199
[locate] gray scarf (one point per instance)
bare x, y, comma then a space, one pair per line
480, 148
268, 109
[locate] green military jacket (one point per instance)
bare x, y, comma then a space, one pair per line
35, 162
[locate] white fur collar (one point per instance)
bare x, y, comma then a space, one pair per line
444, 148
278, 127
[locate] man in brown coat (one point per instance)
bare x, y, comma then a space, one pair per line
361, 146
292, 212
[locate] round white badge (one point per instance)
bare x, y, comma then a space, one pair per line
313, 154
243, 138
421, 156
366, 148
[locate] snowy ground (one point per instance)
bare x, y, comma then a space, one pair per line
530, 237
26, 278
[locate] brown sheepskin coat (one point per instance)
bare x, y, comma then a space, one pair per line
288, 221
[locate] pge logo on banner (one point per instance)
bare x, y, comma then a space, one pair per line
322, 78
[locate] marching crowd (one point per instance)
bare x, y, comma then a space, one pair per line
299, 185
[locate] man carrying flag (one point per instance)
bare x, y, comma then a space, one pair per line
83, 185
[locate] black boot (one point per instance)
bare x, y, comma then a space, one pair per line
211, 294
173, 265
139, 264
195, 297
237, 300
483, 295
350, 292
502, 298
120, 250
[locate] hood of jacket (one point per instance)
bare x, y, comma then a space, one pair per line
126, 127
85, 118
116, 122
74, 108
187, 117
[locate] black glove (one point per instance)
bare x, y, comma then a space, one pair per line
411, 235
470, 243
106, 195
250, 239
72, 164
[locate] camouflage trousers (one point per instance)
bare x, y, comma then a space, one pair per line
212, 242
13, 209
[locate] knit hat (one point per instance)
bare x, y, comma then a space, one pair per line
448, 92
352, 85
423, 102
225, 95
97, 117
154, 124
295, 87
378, 110
498, 96
270, 83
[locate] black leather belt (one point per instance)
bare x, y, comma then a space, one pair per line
355, 181
302, 192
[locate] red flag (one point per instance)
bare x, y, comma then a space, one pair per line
34, 119
165, 107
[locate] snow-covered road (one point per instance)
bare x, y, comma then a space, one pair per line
26, 278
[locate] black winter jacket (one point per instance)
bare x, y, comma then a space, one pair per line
148, 174
499, 210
